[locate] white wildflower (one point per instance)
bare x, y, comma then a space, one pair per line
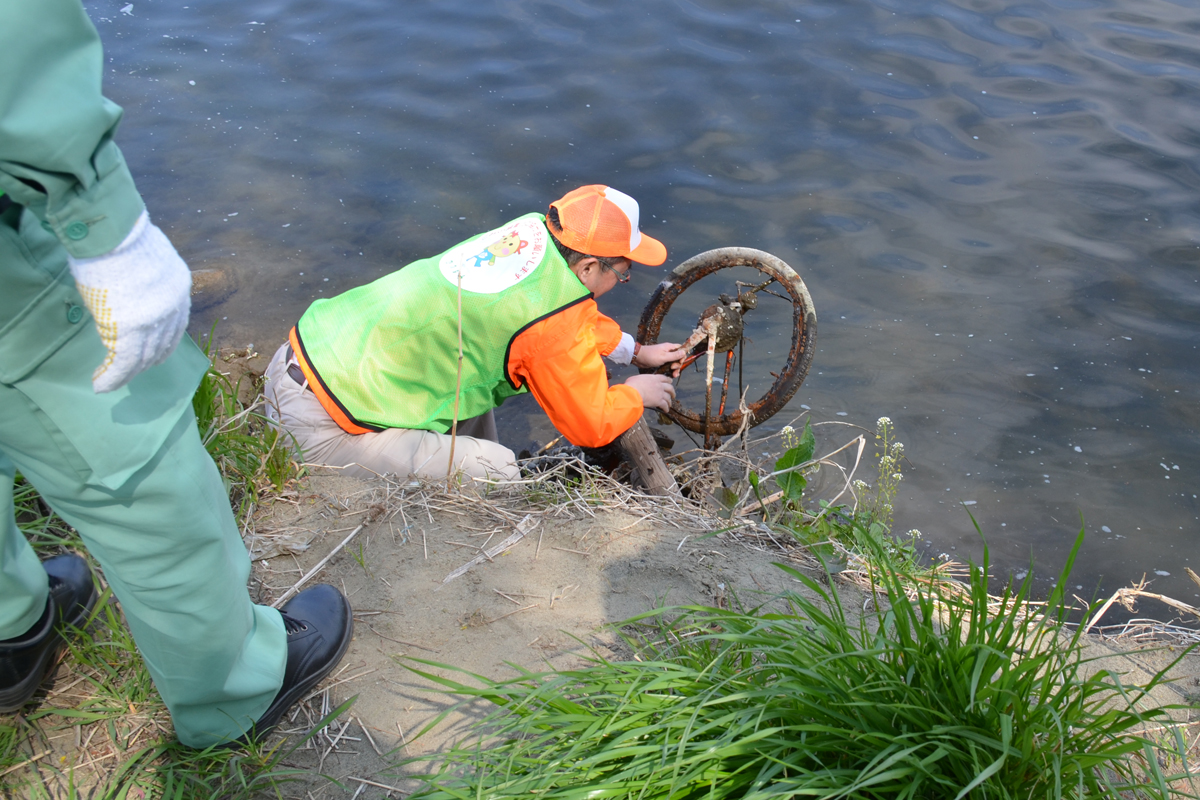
790, 439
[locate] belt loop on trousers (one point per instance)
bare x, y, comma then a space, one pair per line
293, 369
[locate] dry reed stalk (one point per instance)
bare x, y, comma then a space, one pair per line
320, 565
457, 389
1126, 596
325, 689
370, 738
743, 428
510, 613
512, 600
400, 641
1142, 630
561, 594
366, 782
25, 763
826, 459
523, 527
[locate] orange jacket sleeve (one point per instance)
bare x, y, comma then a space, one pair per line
608, 334
559, 359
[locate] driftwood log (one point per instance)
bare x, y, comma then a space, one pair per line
639, 448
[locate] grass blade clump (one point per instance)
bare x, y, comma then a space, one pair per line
254, 458
941, 692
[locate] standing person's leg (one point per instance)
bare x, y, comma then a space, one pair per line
23, 582
164, 534
37, 599
127, 469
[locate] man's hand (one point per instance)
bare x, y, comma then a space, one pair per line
655, 355
140, 297
657, 391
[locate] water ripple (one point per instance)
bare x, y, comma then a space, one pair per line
984, 192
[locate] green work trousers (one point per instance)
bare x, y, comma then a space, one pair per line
128, 471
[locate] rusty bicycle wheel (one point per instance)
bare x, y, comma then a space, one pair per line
800, 354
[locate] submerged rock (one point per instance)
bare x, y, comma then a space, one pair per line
212, 286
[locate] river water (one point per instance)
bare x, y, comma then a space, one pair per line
993, 203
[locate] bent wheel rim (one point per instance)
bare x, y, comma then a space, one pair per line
800, 354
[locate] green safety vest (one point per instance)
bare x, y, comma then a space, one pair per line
387, 352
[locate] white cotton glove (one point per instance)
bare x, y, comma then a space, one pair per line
140, 297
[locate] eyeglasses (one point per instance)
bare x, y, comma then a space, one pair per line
622, 277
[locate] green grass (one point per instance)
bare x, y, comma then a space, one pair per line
102, 730
940, 692
253, 457
44, 529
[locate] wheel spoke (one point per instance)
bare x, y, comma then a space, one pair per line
708, 370
725, 383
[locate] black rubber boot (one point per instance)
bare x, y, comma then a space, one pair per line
319, 626
25, 660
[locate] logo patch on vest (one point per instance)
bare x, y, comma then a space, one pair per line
497, 260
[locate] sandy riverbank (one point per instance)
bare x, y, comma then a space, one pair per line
581, 565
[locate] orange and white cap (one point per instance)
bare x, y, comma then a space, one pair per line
601, 221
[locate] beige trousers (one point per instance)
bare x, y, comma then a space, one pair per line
398, 451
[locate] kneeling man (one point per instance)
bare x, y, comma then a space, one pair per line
370, 380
